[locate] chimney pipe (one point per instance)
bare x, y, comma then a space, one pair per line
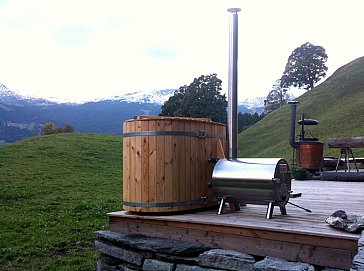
233, 84
292, 131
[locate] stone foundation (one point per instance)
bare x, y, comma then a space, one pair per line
132, 252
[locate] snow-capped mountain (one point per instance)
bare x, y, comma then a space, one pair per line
22, 116
153, 97
252, 105
14, 98
253, 102
7, 95
161, 96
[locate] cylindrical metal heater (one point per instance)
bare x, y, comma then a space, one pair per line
247, 180
262, 181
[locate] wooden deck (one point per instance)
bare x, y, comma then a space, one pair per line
297, 236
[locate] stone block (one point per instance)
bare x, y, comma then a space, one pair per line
152, 244
129, 267
110, 260
186, 267
226, 259
349, 222
119, 253
177, 259
358, 261
361, 240
277, 264
102, 266
153, 265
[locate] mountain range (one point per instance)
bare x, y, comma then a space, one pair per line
22, 116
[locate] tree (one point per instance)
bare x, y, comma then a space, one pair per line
276, 97
68, 128
201, 99
305, 67
245, 120
49, 128
170, 107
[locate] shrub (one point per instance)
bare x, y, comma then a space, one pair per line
51, 128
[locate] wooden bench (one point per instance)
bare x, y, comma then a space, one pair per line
346, 144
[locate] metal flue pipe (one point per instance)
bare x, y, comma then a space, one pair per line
233, 84
292, 129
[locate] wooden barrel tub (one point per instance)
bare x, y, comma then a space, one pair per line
165, 163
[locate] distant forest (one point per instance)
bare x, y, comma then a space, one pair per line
245, 120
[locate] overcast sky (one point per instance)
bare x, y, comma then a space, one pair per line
79, 50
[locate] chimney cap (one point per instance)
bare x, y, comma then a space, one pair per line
234, 10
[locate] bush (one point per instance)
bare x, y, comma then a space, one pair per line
50, 128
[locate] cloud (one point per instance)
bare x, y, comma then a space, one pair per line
163, 52
72, 34
86, 49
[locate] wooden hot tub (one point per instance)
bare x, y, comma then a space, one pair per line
165, 163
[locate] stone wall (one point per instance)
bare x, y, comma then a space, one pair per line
131, 252
358, 261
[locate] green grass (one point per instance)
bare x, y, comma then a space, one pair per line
338, 105
55, 192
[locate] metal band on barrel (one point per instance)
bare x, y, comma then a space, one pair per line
201, 134
165, 204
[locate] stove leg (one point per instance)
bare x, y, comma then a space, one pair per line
221, 207
283, 210
233, 204
270, 208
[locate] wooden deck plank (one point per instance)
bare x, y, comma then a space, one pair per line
297, 236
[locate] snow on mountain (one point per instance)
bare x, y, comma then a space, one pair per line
8, 95
153, 97
158, 97
161, 96
14, 98
253, 102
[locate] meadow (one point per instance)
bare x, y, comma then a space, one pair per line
56, 190
55, 193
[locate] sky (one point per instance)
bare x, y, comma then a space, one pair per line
81, 50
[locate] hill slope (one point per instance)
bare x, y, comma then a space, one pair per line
337, 103
55, 192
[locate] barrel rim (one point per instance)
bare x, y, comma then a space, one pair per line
199, 134
200, 201
310, 143
159, 118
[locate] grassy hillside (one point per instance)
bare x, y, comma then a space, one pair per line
55, 192
337, 103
